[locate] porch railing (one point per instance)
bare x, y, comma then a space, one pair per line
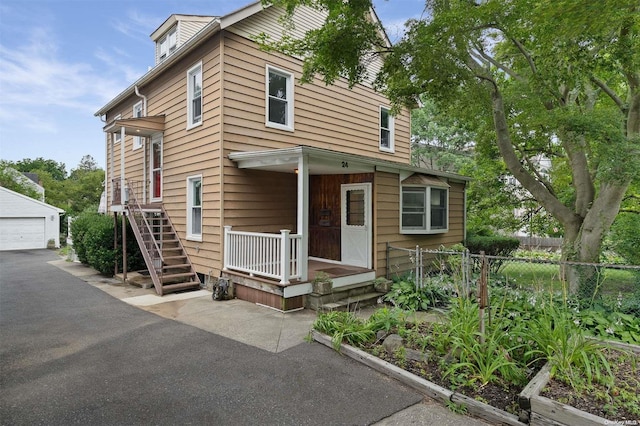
269, 255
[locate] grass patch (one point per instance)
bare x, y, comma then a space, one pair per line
547, 277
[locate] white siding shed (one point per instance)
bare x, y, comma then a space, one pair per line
26, 223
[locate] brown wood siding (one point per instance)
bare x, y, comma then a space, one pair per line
257, 201
387, 220
325, 213
329, 117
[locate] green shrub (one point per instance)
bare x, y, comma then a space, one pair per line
79, 228
492, 245
93, 243
99, 245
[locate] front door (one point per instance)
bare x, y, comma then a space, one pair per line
355, 201
155, 169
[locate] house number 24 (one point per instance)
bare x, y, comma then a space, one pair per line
345, 165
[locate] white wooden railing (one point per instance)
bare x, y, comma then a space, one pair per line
268, 255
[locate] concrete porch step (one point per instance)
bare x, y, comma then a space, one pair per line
352, 303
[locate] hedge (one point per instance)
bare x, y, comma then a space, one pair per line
93, 242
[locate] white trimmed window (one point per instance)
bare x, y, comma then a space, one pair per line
194, 208
425, 210
279, 99
137, 112
117, 137
386, 130
167, 44
194, 96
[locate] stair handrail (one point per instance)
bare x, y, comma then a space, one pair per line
153, 253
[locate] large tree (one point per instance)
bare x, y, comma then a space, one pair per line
553, 77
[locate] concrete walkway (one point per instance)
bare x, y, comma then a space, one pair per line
251, 324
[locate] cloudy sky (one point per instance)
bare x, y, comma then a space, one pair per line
61, 60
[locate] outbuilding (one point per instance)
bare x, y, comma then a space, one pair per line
26, 223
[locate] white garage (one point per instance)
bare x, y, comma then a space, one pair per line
26, 223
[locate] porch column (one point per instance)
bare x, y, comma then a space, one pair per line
303, 214
111, 152
122, 191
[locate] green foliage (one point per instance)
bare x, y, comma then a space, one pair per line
438, 141
56, 170
9, 180
93, 241
344, 327
98, 243
408, 296
624, 238
79, 228
605, 324
387, 318
492, 245
572, 356
75, 193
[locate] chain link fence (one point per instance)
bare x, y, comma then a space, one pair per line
463, 270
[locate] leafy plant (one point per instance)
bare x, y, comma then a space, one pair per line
344, 327
572, 356
406, 295
387, 318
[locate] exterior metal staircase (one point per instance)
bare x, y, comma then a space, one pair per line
166, 260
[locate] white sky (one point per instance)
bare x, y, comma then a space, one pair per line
61, 60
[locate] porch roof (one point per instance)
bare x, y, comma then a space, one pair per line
324, 161
141, 126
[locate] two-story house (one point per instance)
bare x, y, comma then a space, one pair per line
228, 167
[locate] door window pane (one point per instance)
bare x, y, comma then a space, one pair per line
355, 207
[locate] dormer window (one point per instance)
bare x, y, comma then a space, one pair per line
168, 44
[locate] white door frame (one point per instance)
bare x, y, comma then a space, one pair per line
356, 240
155, 139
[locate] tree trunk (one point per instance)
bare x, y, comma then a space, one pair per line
583, 232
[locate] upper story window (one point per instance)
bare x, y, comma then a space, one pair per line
117, 137
386, 130
194, 96
424, 210
279, 100
137, 112
194, 208
167, 44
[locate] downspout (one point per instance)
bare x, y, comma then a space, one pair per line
144, 146
106, 156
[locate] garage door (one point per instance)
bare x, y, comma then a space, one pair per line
22, 233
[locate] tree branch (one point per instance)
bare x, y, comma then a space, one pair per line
526, 54
497, 64
606, 89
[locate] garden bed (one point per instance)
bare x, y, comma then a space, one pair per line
454, 400
552, 401
490, 374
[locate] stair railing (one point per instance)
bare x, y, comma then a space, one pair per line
143, 231
168, 219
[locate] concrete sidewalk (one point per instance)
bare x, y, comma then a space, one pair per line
251, 324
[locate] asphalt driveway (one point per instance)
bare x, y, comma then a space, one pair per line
72, 354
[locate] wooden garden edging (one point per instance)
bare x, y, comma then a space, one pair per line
547, 412
432, 390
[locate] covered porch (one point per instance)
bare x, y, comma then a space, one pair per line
332, 234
